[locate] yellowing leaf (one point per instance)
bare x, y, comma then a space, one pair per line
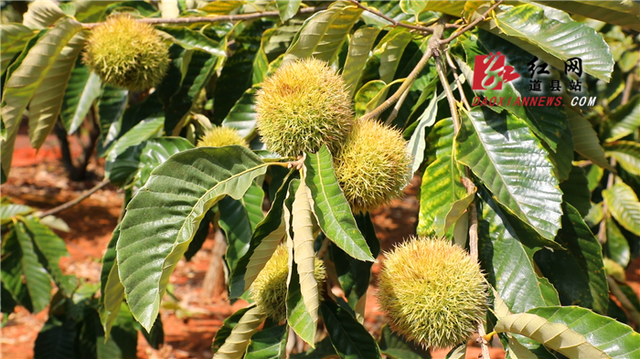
556, 336
303, 253
237, 342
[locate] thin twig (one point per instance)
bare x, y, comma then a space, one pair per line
447, 90
473, 251
323, 248
210, 19
72, 203
396, 108
457, 78
471, 25
602, 228
431, 48
626, 304
392, 21
627, 88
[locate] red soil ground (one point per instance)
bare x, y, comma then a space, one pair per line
191, 323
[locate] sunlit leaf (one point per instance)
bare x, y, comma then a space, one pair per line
502, 151
323, 33
13, 38
627, 153
562, 39
238, 340
624, 206
615, 339
178, 194
623, 121
330, 207
42, 14
360, 46
83, 89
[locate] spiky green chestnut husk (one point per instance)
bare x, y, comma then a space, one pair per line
432, 292
373, 166
302, 106
222, 136
269, 290
127, 53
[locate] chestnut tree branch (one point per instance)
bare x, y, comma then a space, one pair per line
211, 19
72, 203
433, 46
471, 25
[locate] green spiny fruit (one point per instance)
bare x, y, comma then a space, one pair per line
432, 292
222, 136
302, 106
127, 53
269, 290
373, 166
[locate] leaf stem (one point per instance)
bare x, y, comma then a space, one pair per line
471, 25
433, 46
447, 90
72, 203
210, 19
619, 294
395, 23
458, 82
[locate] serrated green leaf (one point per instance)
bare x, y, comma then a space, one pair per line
441, 188
617, 244
390, 51
13, 39
178, 194
268, 343
502, 151
556, 336
323, 33
585, 140
27, 78
52, 249
238, 340
137, 162
47, 100
265, 239
111, 106
144, 130
576, 190
242, 115
323, 350
354, 275
577, 273
360, 46
11, 210
548, 122
12, 270
627, 153
413, 7
350, 339
330, 207
615, 339
595, 215
394, 346
226, 328
417, 143
90, 11
505, 252
42, 14
238, 219
559, 38
110, 286
194, 40
83, 89
624, 206
36, 278
623, 13
287, 8
366, 94
201, 66
623, 121
221, 7
56, 341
